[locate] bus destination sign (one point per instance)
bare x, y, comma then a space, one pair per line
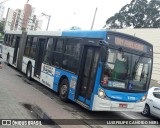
129, 44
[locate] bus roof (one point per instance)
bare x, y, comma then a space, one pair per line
13, 32
80, 33
45, 33
91, 34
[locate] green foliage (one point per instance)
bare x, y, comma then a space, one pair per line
23, 29
1, 26
137, 14
1, 29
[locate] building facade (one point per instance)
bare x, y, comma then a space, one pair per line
153, 37
1, 11
22, 19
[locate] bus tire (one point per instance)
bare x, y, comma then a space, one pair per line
146, 111
64, 90
29, 72
8, 59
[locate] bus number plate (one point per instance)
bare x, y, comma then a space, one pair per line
123, 105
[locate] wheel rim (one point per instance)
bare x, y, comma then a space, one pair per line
64, 90
145, 111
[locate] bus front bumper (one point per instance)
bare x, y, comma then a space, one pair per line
100, 104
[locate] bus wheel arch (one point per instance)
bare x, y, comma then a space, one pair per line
63, 88
29, 70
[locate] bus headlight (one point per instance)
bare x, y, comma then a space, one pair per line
101, 93
143, 98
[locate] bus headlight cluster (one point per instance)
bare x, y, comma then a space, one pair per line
143, 98
101, 93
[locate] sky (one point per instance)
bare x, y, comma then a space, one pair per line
68, 13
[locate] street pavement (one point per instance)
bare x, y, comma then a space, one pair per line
23, 99
17, 98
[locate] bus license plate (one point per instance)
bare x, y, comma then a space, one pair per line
123, 105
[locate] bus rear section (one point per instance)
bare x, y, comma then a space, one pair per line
11, 47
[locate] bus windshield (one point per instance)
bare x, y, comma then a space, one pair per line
126, 71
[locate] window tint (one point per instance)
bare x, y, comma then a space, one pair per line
59, 47
156, 94
73, 47
28, 46
50, 44
48, 57
71, 56
93, 73
5, 38
157, 89
33, 50
70, 48
78, 50
11, 40
14, 41
88, 62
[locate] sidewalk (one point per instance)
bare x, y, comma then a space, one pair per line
10, 108
15, 93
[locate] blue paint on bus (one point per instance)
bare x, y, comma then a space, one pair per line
88, 34
59, 73
123, 96
81, 98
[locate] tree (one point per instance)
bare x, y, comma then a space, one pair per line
23, 29
1, 29
137, 14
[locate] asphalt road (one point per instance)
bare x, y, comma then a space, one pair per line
35, 94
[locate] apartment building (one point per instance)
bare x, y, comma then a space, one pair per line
1, 11
22, 19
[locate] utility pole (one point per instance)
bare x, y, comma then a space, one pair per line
93, 19
48, 16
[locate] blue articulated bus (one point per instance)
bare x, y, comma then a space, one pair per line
100, 70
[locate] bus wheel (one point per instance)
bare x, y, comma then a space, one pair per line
29, 72
146, 111
64, 90
8, 59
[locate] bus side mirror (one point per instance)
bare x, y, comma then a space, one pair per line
103, 53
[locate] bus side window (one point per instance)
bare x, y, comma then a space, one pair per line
5, 39
59, 46
49, 51
71, 56
33, 48
28, 46
14, 41
11, 40
57, 58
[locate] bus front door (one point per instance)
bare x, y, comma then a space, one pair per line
39, 56
88, 74
17, 39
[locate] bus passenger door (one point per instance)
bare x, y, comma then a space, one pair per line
17, 39
88, 74
39, 56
